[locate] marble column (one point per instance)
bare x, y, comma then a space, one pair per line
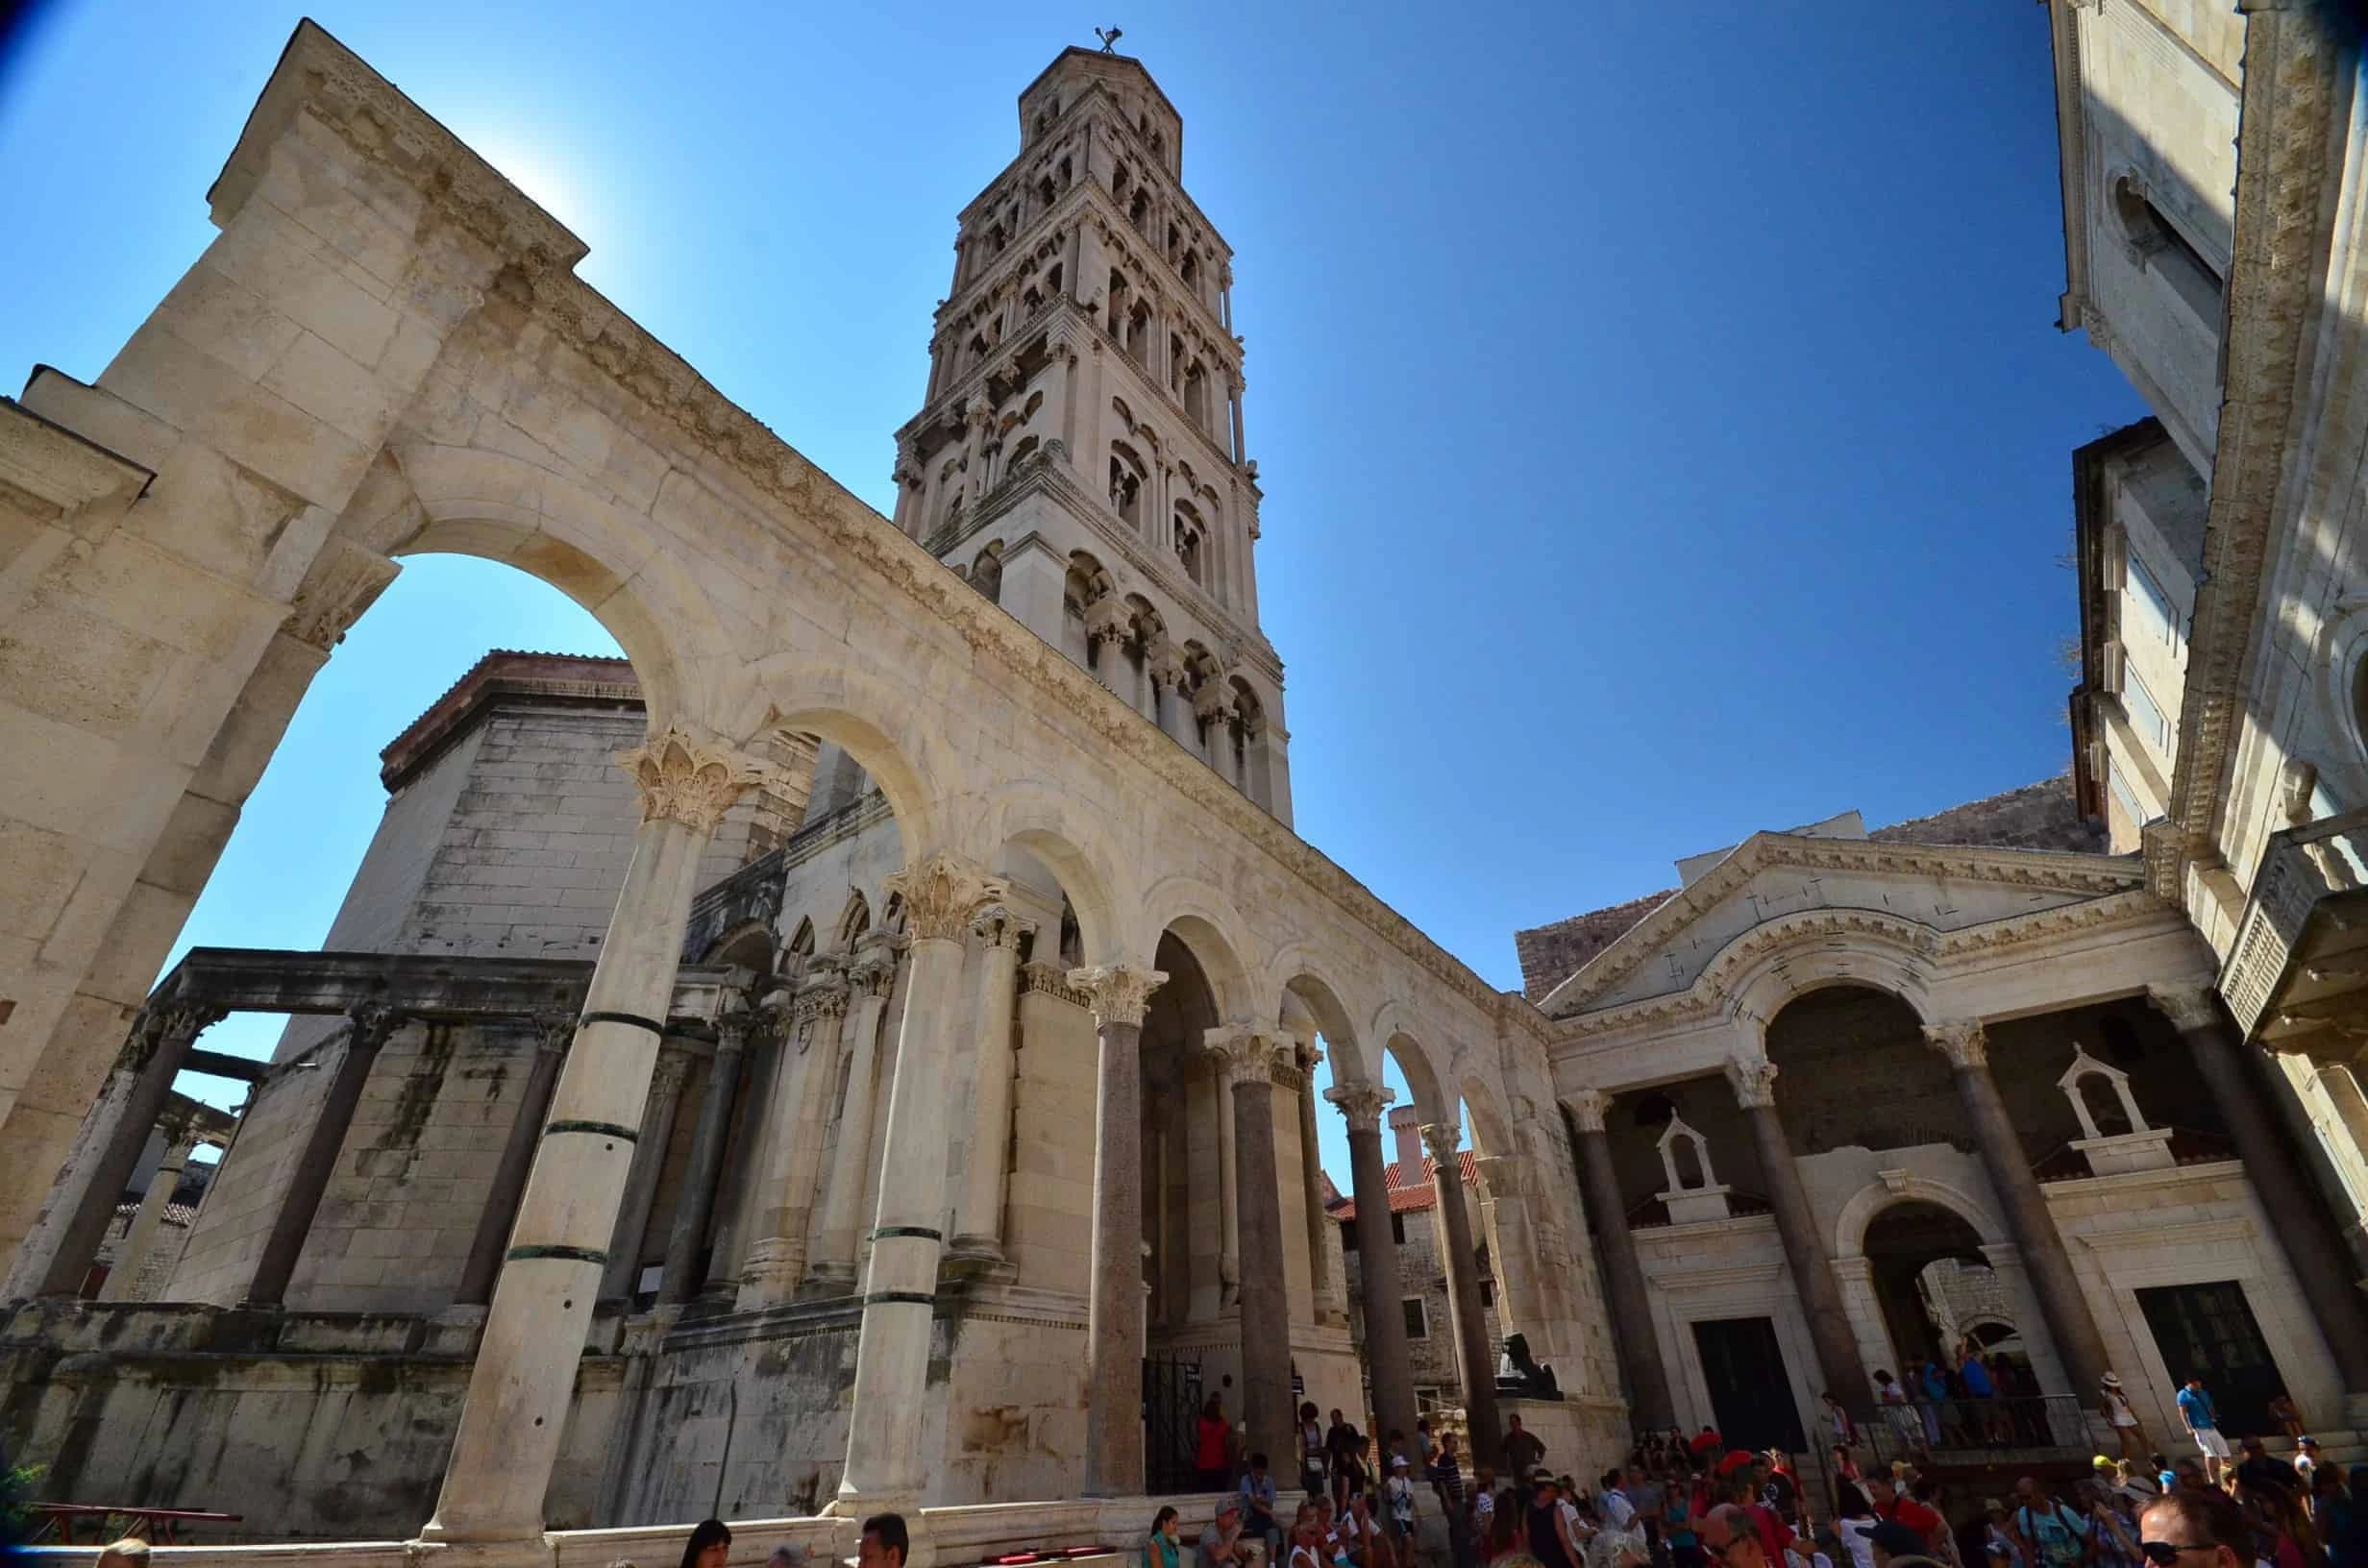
682, 1274
1805, 1253
1323, 1290
2313, 1242
872, 978
1623, 1275
509, 1177
1228, 1196
1470, 1323
2061, 1300
622, 1274
785, 1211
979, 1220
180, 1142
885, 1466
369, 1027
524, 1378
56, 1256
1385, 1314
1113, 1316
1245, 1061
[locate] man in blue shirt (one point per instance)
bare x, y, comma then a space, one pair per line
1258, 1497
2195, 1407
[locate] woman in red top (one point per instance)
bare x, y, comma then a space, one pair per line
1211, 1442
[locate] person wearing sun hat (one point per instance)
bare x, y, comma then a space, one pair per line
2128, 1429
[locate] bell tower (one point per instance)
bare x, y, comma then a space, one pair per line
1077, 456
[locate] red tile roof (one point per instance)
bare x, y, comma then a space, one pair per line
1410, 1190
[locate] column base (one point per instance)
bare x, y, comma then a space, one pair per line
527, 1552
828, 1280
977, 1258
770, 1280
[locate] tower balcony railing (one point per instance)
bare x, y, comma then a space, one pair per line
2295, 976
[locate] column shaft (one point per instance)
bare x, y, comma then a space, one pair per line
785, 1211
509, 1177
623, 1271
1471, 1329
1322, 1293
682, 1274
885, 1468
1114, 1278
523, 1379
1247, 1062
1228, 1196
842, 1203
1386, 1357
1806, 1254
978, 1226
308, 1179
122, 1280
1623, 1275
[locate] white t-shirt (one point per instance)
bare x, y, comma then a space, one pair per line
1618, 1509
1401, 1495
2119, 1408
1858, 1535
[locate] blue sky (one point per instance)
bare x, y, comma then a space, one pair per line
1663, 429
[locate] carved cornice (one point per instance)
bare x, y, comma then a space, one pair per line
1053, 982
1361, 1105
941, 893
1118, 992
1962, 1041
682, 781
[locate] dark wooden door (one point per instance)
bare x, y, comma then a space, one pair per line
2209, 1331
1751, 1393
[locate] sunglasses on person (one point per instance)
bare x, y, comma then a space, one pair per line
2164, 1554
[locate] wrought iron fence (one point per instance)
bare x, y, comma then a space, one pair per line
1971, 1430
1171, 1410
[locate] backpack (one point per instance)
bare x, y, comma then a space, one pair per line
2058, 1545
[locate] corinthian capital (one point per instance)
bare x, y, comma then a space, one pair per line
997, 926
1587, 1108
1959, 1039
682, 781
1119, 992
1440, 1140
1361, 1105
1246, 1056
941, 892
1754, 1078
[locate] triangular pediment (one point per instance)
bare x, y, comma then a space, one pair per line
1778, 877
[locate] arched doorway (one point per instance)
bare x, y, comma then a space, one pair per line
1938, 1295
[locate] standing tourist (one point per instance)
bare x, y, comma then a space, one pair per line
2195, 1407
1898, 1410
1313, 1472
2128, 1429
1398, 1501
1841, 1432
2048, 1532
885, 1543
1522, 1451
1340, 1444
2287, 1415
1212, 1438
1854, 1523
1550, 1538
1447, 1480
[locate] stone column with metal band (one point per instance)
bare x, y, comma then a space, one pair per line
2312, 1241
621, 1277
785, 1204
56, 1255
2061, 1302
1805, 1253
682, 1274
509, 1177
979, 1220
524, 1378
874, 977
180, 1140
1443, 1140
1245, 1059
1114, 1276
1322, 1288
942, 895
1623, 1276
369, 1027
1386, 1356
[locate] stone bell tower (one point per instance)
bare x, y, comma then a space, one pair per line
1078, 456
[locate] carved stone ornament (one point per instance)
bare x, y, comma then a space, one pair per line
681, 781
941, 892
553, 1032
161, 1020
1587, 1108
1755, 1081
1959, 1039
1361, 1105
1440, 1140
674, 1066
1119, 992
346, 580
1245, 1056
997, 926
2187, 1007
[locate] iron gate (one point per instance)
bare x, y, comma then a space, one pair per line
1171, 1409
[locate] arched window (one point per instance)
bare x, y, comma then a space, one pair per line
1126, 476
855, 924
1045, 191
2101, 1097
987, 571
802, 944
1188, 539
1138, 211
1197, 393
1192, 269
1063, 174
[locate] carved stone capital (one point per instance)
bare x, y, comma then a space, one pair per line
1959, 1039
874, 973
1119, 992
371, 1022
1361, 1105
1586, 1106
1244, 1055
732, 1033
682, 781
674, 1066
1440, 1140
344, 581
160, 1022
1754, 1078
997, 928
2187, 1007
553, 1032
942, 891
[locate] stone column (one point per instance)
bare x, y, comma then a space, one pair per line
872, 978
57, 1254
623, 1271
884, 1470
1114, 1320
509, 1177
1623, 1275
1229, 1195
1323, 1290
370, 1025
1245, 1062
1384, 1316
2313, 1244
1806, 1254
697, 1204
1471, 1325
180, 1142
524, 1378
978, 1222
784, 1209
2061, 1302
1519, 1310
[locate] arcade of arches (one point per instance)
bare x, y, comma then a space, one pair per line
833, 1057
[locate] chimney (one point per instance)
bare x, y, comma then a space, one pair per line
1402, 1125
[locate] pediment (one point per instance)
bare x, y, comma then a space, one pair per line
1776, 877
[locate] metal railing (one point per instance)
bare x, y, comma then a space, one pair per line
1974, 1428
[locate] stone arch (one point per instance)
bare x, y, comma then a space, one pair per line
1760, 971
1206, 921
1422, 1079
1893, 1188
749, 944
1491, 1128
1047, 828
851, 709
854, 924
